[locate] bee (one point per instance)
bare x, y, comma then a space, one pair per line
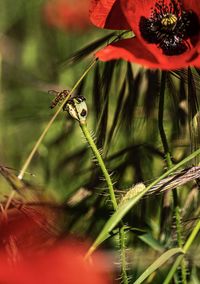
59, 97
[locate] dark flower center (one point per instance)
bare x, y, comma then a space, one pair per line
170, 27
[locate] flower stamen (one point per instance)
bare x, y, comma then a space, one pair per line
169, 21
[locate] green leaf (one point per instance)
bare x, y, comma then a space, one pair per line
151, 242
158, 263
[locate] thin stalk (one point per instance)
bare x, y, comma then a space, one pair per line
38, 142
186, 247
170, 165
122, 237
100, 162
191, 237
173, 269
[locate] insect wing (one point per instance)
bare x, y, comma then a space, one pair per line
53, 92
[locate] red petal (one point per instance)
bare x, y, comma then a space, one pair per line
27, 229
193, 5
108, 14
61, 264
65, 264
133, 10
134, 50
129, 49
195, 60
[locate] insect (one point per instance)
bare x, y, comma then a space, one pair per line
59, 97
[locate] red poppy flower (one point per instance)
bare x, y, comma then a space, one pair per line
28, 256
69, 15
167, 32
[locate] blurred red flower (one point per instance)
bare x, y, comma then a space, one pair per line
167, 32
61, 264
31, 254
69, 15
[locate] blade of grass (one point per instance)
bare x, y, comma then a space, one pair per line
87, 50
151, 242
158, 263
186, 247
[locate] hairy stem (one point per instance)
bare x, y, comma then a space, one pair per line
100, 162
122, 237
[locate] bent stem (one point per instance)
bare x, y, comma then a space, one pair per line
108, 180
100, 162
170, 165
38, 142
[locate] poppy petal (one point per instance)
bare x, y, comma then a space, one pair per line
133, 10
195, 60
134, 50
62, 263
192, 5
131, 50
106, 14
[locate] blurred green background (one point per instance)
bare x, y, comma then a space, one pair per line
32, 56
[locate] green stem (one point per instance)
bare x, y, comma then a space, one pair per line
170, 165
37, 144
173, 269
191, 237
122, 237
186, 247
101, 163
